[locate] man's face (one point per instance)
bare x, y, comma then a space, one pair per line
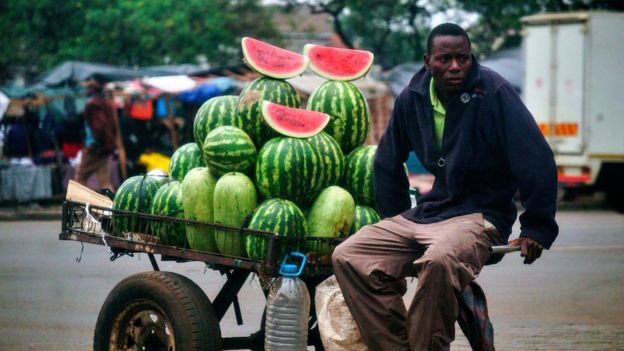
449, 62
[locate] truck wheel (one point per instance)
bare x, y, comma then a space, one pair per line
157, 311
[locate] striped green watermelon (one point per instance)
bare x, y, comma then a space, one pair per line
216, 112
288, 168
185, 158
331, 216
358, 177
234, 200
249, 105
363, 215
229, 149
197, 200
278, 216
168, 202
135, 195
350, 116
332, 161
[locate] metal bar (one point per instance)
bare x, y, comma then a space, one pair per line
503, 249
228, 292
237, 310
146, 247
153, 261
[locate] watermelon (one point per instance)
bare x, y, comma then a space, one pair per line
288, 168
135, 194
363, 215
348, 109
337, 63
234, 200
160, 176
331, 216
278, 216
272, 61
249, 105
197, 196
215, 112
185, 158
332, 161
358, 178
168, 202
293, 122
229, 149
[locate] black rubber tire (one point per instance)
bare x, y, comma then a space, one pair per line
174, 301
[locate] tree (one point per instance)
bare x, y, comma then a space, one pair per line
392, 30
41, 34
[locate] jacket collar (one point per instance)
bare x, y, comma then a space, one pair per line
420, 81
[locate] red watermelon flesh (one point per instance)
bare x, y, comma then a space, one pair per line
338, 64
272, 61
293, 122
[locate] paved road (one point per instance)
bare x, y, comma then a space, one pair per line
571, 299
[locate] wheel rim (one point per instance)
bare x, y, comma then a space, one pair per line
142, 326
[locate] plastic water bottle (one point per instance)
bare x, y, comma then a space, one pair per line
288, 309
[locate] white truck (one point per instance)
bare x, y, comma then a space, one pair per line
574, 87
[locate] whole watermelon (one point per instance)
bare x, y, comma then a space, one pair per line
168, 202
229, 149
332, 161
215, 112
358, 178
250, 105
185, 158
135, 194
279, 216
363, 215
331, 216
350, 116
197, 201
234, 200
288, 168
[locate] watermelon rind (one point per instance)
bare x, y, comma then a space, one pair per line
348, 109
185, 158
235, 199
331, 216
215, 112
168, 203
197, 201
362, 216
282, 63
274, 113
249, 106
281, 217
338, 64
229, 149
288, 168
358, 177
135, 195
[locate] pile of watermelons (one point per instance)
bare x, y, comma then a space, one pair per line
262, 161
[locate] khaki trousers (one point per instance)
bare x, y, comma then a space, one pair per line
371, 265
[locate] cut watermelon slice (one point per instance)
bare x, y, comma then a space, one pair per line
293, 122
272, 61
338, 64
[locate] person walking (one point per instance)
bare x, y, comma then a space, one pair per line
470, 129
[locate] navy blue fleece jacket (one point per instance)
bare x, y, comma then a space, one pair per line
491, 148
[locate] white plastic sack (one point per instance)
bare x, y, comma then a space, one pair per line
338, 330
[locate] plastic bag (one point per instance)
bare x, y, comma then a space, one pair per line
338, 329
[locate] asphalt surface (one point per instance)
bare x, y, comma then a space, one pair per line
570, 299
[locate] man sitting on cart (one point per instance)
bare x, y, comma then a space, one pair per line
470, 129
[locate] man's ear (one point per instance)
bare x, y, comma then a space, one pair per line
426, 59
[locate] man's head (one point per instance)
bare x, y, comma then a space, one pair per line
448, 57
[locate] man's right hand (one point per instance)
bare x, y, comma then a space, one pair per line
530, 249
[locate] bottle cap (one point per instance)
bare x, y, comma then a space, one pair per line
289, 269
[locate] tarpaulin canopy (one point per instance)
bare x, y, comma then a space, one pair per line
75, 71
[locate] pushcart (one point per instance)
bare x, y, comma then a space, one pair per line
159, 310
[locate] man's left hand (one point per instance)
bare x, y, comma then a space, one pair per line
530, 249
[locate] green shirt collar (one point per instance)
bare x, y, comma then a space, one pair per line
437, 104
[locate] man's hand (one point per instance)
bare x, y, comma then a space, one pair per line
530, 249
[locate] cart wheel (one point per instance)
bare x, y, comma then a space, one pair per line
157, 311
